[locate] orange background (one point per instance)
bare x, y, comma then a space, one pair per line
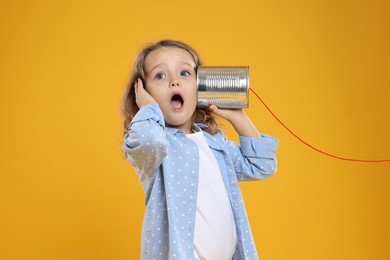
322, 66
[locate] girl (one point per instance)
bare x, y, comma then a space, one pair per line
187, 168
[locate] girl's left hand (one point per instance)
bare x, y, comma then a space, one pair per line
238, 118
231, 115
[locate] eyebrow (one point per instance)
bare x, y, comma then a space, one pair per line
158, 65
165, 65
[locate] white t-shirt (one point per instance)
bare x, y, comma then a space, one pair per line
215, 232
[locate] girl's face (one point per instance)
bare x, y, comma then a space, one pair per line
171, 81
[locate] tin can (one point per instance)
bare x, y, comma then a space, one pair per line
225, 87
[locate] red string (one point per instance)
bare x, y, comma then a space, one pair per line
311, 146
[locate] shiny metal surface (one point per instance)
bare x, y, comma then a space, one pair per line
225, 87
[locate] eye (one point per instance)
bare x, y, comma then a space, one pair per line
160, 76
184, 73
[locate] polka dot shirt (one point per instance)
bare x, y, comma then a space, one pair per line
167, 164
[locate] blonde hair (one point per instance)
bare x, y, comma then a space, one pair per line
129, 106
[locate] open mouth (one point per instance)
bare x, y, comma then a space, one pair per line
177, 101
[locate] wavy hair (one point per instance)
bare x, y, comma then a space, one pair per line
129, 106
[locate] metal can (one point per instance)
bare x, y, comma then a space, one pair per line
225, 87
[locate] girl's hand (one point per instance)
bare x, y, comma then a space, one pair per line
142, 97
238, 118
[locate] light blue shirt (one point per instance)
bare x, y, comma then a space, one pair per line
167, 164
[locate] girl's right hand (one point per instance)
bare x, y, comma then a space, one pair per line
142, 97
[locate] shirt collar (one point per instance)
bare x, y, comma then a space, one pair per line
174, 131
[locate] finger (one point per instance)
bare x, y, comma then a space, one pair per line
139, 83
136, 87
214, 109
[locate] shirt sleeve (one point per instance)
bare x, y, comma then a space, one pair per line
254, 158
145, 144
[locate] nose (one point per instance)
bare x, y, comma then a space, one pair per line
175, 83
